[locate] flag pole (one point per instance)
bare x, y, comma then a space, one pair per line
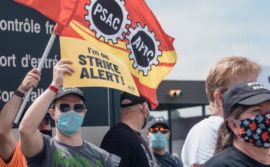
40, 66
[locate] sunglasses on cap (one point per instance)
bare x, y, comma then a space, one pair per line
64, 107
155, 130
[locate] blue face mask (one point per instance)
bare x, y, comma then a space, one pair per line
158, 140
69, 122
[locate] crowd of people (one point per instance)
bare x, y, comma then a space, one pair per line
236, 134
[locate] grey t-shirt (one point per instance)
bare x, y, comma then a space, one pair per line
56, 154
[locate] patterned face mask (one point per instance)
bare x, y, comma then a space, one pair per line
256, 130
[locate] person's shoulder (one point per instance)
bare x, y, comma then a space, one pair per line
119, 135
176, 159
212, 122
99, 151
120, 129
221, 159
96, 149
200, 142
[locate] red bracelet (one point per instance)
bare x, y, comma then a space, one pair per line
53, 88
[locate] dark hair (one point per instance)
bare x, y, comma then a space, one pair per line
225, 134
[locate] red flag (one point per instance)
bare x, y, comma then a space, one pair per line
127, 29
60, 11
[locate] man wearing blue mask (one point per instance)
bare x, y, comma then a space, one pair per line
158, 134
67, 108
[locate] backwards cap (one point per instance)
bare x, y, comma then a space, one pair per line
127, 100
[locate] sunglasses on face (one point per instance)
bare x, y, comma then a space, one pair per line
162, 130
67, 107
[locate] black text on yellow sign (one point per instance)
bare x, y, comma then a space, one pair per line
97, 68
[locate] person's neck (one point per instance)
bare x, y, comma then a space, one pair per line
259, 154
74, 140
216, 110
159, 151
132, 124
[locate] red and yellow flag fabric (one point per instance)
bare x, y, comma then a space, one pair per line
107, 37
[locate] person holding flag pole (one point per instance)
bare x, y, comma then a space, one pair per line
28, 93
116, 44
67, 108
10, 152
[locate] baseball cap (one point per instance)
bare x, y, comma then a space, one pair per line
66, 91
250, 93
158, 120
127, 100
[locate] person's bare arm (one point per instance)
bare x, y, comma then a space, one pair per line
30, 138
9, 112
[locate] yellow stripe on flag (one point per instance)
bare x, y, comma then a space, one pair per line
155, 75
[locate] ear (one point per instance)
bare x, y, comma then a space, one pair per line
85, 111
218, 98
142, 108
234, 126
52, 113
218, 107
146, 109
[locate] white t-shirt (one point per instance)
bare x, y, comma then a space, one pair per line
201, 141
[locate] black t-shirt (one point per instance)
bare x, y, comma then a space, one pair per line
168, 160
121, 140
231, 157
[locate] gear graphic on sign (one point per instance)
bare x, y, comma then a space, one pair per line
106, 24
144, 48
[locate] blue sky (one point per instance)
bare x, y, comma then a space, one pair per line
205, 31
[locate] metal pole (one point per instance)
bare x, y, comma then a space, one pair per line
170, 125
203, 110
40, 66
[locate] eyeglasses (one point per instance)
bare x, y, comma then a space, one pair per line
162, 130
67, 107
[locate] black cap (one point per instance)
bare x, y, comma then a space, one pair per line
127, 100
66, 91
157, 121
251, 93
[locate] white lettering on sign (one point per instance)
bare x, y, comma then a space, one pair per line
27, 26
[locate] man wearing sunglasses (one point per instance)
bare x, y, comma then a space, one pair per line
124, 139
158, 134
66, 148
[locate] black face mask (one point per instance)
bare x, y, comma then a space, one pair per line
144, 124
145, 121
46, 132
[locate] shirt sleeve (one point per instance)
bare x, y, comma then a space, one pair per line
114, 160
177, 161
200, 144
16, 160
40, 155
118, 148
